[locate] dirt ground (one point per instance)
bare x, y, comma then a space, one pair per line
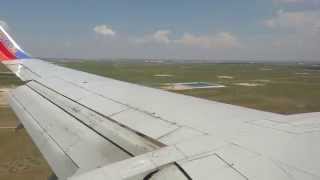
19, 157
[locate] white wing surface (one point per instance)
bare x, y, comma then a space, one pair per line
92, 127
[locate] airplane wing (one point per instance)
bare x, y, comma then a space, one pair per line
92, 127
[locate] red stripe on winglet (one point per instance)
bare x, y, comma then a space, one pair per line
3, 57
5, 54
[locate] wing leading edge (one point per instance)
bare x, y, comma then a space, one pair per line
91, 127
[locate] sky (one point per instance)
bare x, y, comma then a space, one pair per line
246, 30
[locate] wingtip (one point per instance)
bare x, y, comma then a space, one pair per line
9, 49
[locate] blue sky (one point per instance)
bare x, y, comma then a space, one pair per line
187, 29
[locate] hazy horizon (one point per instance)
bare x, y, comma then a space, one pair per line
160, 60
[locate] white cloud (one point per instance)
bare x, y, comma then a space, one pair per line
289, 1
296, 34
303, 21
160, 36
308, 3
104, 30
270, 23
219, 40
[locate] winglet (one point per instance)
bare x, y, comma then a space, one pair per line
9, 49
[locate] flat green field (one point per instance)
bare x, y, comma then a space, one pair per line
286, 89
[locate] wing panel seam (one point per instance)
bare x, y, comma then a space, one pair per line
92, 129
109, 118
44, 130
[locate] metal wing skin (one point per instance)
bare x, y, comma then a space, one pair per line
92, 127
